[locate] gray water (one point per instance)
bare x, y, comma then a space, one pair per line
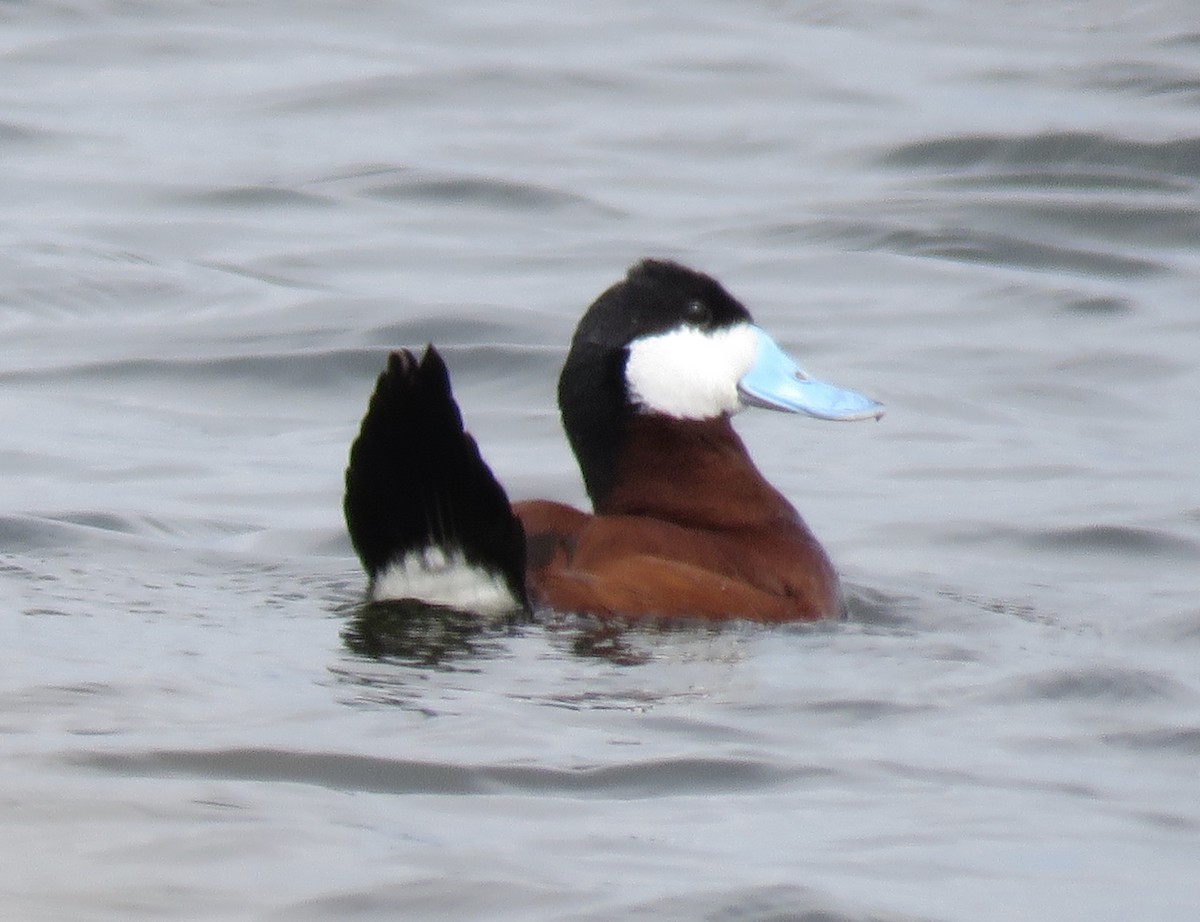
215, 219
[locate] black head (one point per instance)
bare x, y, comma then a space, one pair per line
656, 297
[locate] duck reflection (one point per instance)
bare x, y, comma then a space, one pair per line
417, 633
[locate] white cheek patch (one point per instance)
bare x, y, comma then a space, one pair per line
442, 577
689, 373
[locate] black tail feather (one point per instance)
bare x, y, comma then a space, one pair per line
416, 480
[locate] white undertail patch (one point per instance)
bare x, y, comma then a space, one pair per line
444, 577
689, 373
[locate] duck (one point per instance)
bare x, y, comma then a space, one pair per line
683, 525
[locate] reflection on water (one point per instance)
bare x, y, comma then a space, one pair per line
607, 641
417, 633
220, 217
413, 633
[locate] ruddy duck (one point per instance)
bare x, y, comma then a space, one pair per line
683, 524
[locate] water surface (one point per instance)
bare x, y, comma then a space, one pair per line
217, 220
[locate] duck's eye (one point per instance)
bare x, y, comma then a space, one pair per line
697, 313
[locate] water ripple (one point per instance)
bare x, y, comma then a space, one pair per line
1099, 683
405, 776
1116, 539
90, 528
1184, 740
963, 243
780, 903
399, 183
249, 197
1143, 79
483, 191
13, 133
1055, 157
1119, 540
302, 369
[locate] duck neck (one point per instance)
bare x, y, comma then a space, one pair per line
693, 472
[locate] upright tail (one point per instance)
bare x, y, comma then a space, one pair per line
427, 517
